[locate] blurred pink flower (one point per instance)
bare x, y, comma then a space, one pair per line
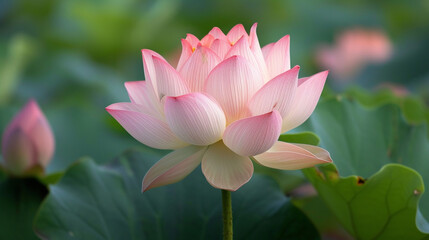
225, 104
28, 143
353, 49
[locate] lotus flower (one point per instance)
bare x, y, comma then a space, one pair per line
224, 105
28, 142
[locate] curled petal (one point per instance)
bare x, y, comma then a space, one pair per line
142, 94
168, 80
278, 94
143, 127
233, 82
186, 53
288, 156
198, 67
220, 47
278, 59
236, 33
174, 167
253, 135
195, 118
305, 101
224, 169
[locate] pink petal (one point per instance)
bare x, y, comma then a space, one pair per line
242, 48
257, 52
218, 34
236, 33
266, 50
319, 152
142, 94
253, 37
277, 94
147, 129
19, 152
224, 169
278, 59
233, 82
220, 47
43, 140
186, 53
305, 101
253, 135
198, 67
149, 70
192, 40
288, 156
168, 80
195, 118
207, 40
174, 167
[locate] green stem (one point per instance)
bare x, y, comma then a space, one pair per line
227, 215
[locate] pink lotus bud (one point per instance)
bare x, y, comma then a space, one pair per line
28, 142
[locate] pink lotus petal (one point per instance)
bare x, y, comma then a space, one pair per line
19, 152
257, 52
253, 37
195, 118
220, 47
233, 82
207, 40
253, 135
43, 140
147, 129
186, 53
242, 48
277, 94
305, 101
224, 169
319, 152
142, 94
198, 67
278, 59
173, 167
149, 70
236, 33
168, 80
267, 49
288, 156
218, 34
192, 40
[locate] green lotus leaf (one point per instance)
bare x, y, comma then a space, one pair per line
361, 141
95, 202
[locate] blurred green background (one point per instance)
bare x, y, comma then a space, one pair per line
74, 56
